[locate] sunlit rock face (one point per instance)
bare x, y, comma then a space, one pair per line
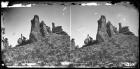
102, 34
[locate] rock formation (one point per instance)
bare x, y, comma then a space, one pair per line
40, 31
35, 34
5, 43
111, 30
58, 29
22, 40
89, 40
72, 44
102, 34
114, 49
56, 48
2, 31
45, 30
124, 30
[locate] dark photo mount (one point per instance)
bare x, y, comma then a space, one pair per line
61, 34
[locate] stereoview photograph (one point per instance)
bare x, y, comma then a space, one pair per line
70, 35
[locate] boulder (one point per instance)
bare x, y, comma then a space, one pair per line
102, 34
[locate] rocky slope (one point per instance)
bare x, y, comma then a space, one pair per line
111, 49
44, 46
120, 48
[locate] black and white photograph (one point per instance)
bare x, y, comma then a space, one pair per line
69, 35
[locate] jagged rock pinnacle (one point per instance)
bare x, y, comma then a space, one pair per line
102, 34
110, 29
35, 29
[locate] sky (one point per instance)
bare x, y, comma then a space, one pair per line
77, 21
84, 20
18, 20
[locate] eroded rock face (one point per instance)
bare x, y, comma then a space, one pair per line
102, 34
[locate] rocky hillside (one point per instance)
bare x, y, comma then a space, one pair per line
120, 48
44, 46
111, 48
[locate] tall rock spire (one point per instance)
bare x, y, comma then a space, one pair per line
102, 34
35, 29
120, 26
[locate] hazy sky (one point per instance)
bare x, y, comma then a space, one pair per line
18, 20
83, 20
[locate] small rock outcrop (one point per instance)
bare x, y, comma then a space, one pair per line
124, 30
102, 34
58, 29
45, 30
72, 44
22, 40
5, 43
89, 40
